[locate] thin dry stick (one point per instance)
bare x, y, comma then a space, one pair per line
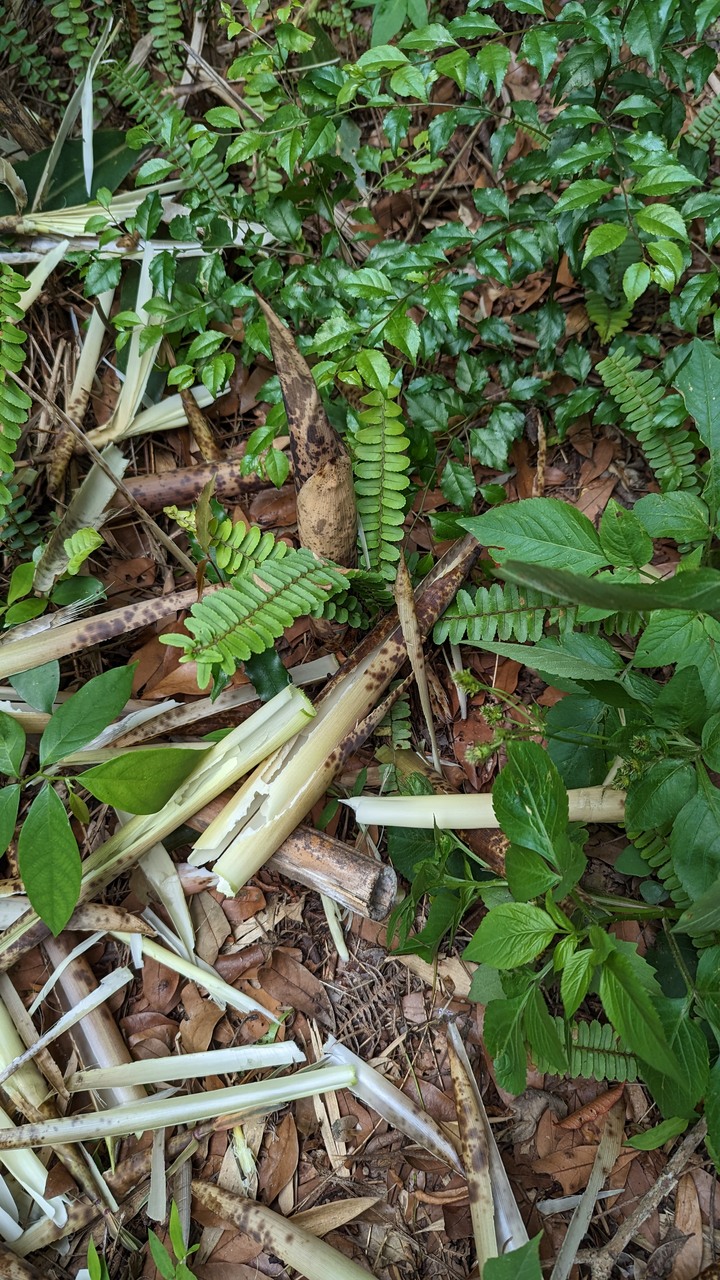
602, 1261
132, 502
443, 181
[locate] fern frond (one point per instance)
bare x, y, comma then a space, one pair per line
169, 129
705, 128
608, 320
654, 849
166, 23
395, 725
247, 617
594, 1053
380, 466
14, 402
364, 597
18, 526
232, 545
18, 51
503, 612
638, 392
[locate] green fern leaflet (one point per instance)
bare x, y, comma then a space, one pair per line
380, 465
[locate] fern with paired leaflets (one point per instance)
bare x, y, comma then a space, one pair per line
380, 465
186, 147
502, 611
15, 404
654, 418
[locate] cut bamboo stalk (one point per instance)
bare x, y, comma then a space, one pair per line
159, 1113
329, 866
475, 1158
85, 633
79, 396
279, 1236
181, 487
280, 793
586, 804
97, 1040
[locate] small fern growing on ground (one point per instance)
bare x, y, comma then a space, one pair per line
503, 612
14, 402
648, 414
381, 464
165, 23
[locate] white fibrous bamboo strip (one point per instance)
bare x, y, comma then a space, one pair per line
510, 1229
84, 945
164, 416
157, 1197
40, 273
190, 1066
111, 983
165, 1113
86, 511
394, 1106
472, 812
279, 1236
217, 987
475, 1158
161, 874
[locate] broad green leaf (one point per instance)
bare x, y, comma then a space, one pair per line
403, 333
267, 673
539, 48
9, 805
581, 194
519, 1264
681, 703
604, 239
636, 280
161, 1257
623, 539
656, 1137
39, 686
546, 1047
512, 934
320, 138
712, 1106
662, 220
679, 515
707, 985
493, 61
696, 589
409, 82
383, 57
699, 384
458, 484
528, 875
711, 747
632, 1013
12, 745
658, 796
549, 660
434, 36
703, 916
21, 581
666, 180
141, 781
84, 715
575, 981
49, 860
485, 985
388, 18
689, 1047
530, 800
574, 728
374, 368
504, 1039
544, 530
695, 838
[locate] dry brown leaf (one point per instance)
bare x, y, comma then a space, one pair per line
212, 926
201, 1018
572, 1168
290, 983
688, 1222
594, 1111
278, 1159
160, 986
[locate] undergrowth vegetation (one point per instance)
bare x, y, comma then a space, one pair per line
181, 210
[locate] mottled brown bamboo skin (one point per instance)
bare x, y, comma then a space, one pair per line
326, 509
181, 487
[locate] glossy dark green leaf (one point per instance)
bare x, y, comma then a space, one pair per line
512, 934
658, 796
38, 686
9, 805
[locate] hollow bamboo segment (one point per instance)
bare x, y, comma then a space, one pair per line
279, 1236
328, 866
280, 793
586, 804
183, 486
96, 1037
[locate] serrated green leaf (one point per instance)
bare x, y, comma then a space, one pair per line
697, 589
518, 1264
623, 539
699, 384
632, 1013
636, 280
542, 530
502, 1032
658, 796
604, 239
512, 934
